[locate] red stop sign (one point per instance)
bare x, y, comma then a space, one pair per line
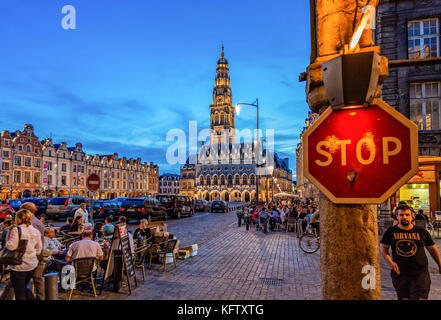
93, 182
360, 155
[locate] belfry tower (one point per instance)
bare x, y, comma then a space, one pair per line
222, 111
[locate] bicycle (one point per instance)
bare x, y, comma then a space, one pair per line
309, 242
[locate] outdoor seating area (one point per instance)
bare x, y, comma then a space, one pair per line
87, 266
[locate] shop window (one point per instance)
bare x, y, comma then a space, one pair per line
416, 195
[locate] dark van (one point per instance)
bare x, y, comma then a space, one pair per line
142, 208
176, 205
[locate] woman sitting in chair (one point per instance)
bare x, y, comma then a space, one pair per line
77, 225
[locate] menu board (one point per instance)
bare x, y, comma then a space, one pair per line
120, 239
126, 250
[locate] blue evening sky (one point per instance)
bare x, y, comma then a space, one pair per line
134, 69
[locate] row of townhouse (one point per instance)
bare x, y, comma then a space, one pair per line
30, 167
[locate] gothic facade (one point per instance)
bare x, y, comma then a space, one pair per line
226, 170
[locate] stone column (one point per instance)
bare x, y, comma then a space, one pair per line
349, 233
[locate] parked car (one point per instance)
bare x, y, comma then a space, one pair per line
219, 206
120, 200
142, 208
106, 208
97, 204
64, 207
16, 203
40, 203
176, 205
202, 205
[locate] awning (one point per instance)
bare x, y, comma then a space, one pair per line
284, 194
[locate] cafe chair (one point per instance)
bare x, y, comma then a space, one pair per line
84, 272
290, 224
161, 250
139, 258
169, 247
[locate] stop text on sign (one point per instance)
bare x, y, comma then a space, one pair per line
360, 155
391, 146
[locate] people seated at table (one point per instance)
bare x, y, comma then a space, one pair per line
6, 225
5, 209
274, 218
98, 231
122, 219
143, 231
255, 217
421, 216
108, 227
263, 216
77, 224
51, 246
7, 218
293, 213
66, 227
85, 248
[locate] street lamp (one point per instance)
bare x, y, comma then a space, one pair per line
237, 109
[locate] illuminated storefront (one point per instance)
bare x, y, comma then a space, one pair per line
423, 190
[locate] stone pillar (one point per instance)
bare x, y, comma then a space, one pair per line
349, 241
349, 233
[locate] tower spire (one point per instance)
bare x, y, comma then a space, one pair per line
222, 54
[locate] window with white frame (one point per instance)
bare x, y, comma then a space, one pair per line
423, 39
425, 105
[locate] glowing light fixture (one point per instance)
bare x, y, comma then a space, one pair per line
359, 30
237, 108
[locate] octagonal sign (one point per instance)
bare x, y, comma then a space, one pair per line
360, 155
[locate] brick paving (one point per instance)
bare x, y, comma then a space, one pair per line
235, 264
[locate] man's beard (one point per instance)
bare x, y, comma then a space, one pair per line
404, 223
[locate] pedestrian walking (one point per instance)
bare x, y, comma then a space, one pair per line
37, 277
21, 274
239, 214
82, 212
409, 263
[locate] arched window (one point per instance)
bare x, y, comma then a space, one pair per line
215, 182
201, 180
244, 179
230, 180
222, 119
252, 179
222, 180
236, 179
28, 149
216, 118
208, 181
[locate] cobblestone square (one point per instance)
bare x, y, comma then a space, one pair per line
235, 264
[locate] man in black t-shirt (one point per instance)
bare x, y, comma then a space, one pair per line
410, 274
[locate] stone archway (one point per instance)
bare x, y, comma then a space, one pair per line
235, 196
225, 196
214, 196
253, 195
246, 196
206, 196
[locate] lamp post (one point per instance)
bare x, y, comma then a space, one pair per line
12, 169
237, 109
